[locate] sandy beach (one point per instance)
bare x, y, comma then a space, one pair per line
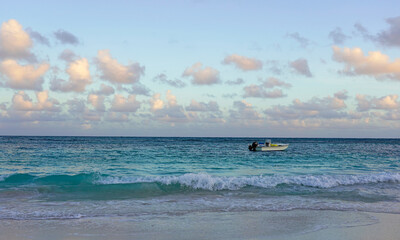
297, 224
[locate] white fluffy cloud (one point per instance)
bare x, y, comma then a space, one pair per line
375, 64
79, 77
169, 111
22, 102
202, 76
156, 103
23, 76
125, 104
115, 72
97, 101
14, 41
366, 103
243, 63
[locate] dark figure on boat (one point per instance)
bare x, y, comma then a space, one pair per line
253, 146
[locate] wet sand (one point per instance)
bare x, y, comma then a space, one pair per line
297, 224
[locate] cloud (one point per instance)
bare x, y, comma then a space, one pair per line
338, 36
117, 117
90, 115
274, 67
68, 55
235, 82
205, 76
66, 37
391, 36
174, 83
23, 76
136, 89
125, 104
328, 107
3, 106
79, 77
97, 101
140, 89
156, 103
15, 42
361, 30
301, 67
171, 99
195, 106
243, 111
391, 115
257, 91
105, 90
274, 82
38, 37
22, 102
243, 63
320, 104
76, 105
341, 95
304, 42
169, 111
366, 103
111, 70
375, 64
205, 113
230, 95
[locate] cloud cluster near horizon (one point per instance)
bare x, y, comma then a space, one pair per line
86, 92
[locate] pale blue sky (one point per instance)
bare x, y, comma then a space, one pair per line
169, 37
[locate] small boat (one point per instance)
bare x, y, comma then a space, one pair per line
267, 146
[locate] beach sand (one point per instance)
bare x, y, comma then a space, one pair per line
296, 224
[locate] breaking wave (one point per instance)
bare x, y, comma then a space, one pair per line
203, 181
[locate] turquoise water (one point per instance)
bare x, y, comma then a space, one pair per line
79, 177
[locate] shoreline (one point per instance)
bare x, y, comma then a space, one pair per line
260, 225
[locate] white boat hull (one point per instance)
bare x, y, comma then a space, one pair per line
280, 147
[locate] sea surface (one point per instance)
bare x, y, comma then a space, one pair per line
147, 177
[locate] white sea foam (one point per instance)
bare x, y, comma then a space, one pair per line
209, 182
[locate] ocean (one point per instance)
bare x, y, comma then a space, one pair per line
144, 178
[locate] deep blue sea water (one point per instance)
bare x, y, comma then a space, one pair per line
145, 177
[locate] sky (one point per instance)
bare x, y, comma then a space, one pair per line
200, 68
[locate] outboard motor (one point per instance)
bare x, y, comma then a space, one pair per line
253, 146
